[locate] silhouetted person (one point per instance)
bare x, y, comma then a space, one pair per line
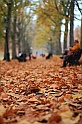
22, 57
49, 56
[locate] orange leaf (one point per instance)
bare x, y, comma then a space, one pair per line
1, 120
54, 118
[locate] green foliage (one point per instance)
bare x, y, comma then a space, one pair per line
43, 35
48, 23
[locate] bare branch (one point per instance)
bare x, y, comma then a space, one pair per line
78, 7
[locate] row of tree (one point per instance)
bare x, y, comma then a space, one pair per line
28, 22
15, 20
52, 13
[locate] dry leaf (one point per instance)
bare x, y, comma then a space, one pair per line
68, 117
2, 110
39, 91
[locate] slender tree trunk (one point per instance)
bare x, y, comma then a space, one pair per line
19, 46
19, 35
81, 32
71, 23
58, 45
8, 20
14, 39
5, 48
65, 34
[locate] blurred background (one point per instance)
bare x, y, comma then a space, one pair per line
39, 26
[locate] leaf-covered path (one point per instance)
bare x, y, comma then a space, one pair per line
40, 92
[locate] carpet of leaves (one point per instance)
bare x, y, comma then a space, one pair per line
40, 92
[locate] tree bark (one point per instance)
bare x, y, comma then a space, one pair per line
65, 34
8, 20
14, 39
81, 32
71, 23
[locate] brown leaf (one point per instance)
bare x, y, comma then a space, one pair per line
54, 118
40, 91
9, 112
1, 120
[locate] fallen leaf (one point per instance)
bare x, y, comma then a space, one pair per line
68, 117
2, 110
77, 96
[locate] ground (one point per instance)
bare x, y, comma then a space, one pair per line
40, 92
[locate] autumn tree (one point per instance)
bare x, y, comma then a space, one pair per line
19, 25
63, 10
1, 28
47, 15
7, 20
13, 31
20, 18
67, 10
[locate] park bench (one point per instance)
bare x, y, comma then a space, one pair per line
49, 56
74, 58
22, 58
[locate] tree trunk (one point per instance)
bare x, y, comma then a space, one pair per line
14, 39
58, 44
65, 34
19, 46
71, 23
8, 20
5, 48
81, 32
